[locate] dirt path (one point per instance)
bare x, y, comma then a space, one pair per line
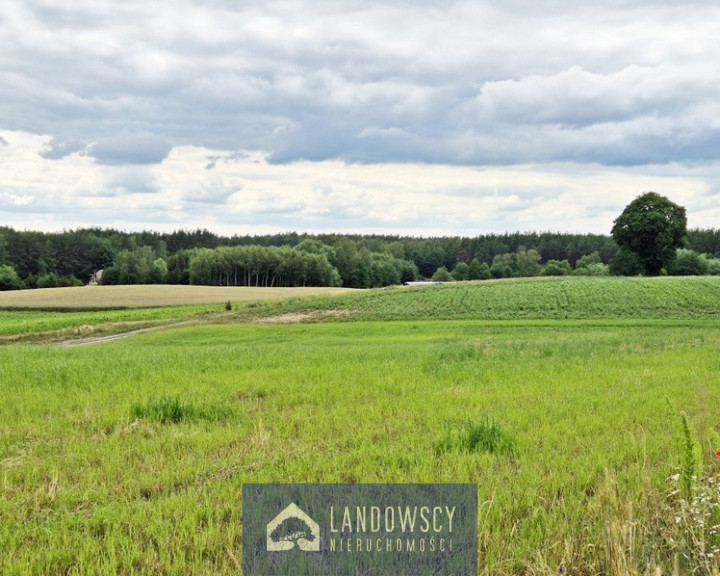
73, 342
84, 336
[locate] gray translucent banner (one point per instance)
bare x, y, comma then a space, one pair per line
368, 529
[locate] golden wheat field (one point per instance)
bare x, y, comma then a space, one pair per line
151, 295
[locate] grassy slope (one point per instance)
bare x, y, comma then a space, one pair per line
534, 298
523, 299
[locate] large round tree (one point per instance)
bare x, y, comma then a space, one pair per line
653, 228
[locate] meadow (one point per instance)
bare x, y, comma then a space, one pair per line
583, 408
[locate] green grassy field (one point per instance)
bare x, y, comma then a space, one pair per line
128, 457
532, 298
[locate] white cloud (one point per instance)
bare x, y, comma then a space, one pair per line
246, 194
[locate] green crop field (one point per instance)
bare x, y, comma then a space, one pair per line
585, 409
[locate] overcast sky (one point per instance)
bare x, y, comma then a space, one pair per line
414, 117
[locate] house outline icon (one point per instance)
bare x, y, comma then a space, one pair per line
293, 511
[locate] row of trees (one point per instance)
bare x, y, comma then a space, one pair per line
526, 263
310, 263
649, 237
523, 263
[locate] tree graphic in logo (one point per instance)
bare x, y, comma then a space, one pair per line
292, 530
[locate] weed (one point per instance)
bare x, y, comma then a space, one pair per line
689, 463
686, 532
172, 410
484, 435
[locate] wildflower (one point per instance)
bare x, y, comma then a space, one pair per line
717, 453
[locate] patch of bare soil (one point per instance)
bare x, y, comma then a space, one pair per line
298, 317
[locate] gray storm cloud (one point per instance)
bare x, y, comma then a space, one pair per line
458, 82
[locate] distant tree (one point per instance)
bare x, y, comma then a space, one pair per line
687, 263
653, 228
4, 256
139, 266
30, 253
461, 272
428, 254
528, 262
521, 263
291, 530
710, 264
557, 268
598, 269
704, 241
588, 259
397, 249
9, 279
591, 265
54, 280
625, 263
407, 269
159, 271
478, 271
474, 269
441, 275
179, 267
80, 253
382, 270
316, 247
505, 266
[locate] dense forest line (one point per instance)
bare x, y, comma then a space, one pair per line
73, 257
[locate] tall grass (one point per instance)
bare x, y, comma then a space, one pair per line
111, 461
477, 435
173, 410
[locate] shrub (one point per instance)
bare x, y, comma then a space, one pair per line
593, 270
461, 272
556, 268
441, 275
686, 263
54, 280
9, 279
711, 265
